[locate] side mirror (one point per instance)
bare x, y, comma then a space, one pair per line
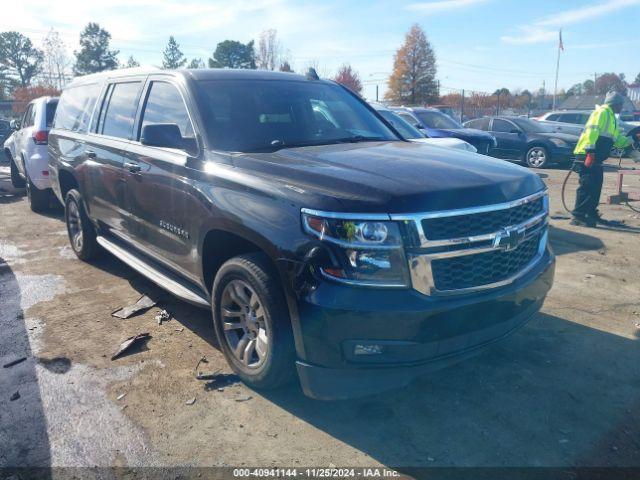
419, 126
165, 135
14, 124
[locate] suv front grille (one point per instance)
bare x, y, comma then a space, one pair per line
484, 268
457, 251
479, 223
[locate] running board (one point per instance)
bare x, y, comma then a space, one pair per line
173, 286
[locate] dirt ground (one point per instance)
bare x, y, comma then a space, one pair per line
562, 391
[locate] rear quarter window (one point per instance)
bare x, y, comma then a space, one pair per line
75, 107
51, 112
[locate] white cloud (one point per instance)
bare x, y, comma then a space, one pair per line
430, 8
539, 31
578, 15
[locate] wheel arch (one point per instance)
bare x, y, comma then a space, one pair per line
67, 181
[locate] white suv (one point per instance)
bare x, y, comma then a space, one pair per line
26, 150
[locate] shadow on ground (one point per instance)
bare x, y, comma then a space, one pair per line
568, 241
23, 426
556, 393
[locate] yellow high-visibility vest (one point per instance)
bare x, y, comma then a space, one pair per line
602, 122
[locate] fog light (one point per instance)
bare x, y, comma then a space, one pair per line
367, 350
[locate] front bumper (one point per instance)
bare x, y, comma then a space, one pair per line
410, 334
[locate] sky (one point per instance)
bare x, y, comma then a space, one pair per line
480, 45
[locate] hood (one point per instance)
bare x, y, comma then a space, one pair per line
389, 177
468, 133
448, 142
567, 137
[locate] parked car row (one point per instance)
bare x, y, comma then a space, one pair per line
325, 245
26, 150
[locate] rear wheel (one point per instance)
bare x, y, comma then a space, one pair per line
252, 322
38, 199
16, 180
82, 234
537, 157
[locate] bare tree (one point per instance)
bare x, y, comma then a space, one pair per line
268, 51
56, 60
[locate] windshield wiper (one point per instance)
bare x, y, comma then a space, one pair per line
358, 138
277, 144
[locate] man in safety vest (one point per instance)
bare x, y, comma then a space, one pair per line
593, 148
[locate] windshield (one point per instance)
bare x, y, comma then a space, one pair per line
530, 126
437, 120
264, 115
405, 128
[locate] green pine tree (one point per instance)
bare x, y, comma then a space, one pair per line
172, 56
94, 55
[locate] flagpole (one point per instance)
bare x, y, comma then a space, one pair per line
555, 88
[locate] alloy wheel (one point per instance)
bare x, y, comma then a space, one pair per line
246, 330
536, 157
74, 222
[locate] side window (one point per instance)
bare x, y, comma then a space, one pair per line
51, 111
553, 117
502, 126
26, 116
408, 118
479, 123
569, 118
75, 108
583, 117
119, 109
165, 105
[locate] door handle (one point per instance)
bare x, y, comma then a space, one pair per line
90, 153
132, 167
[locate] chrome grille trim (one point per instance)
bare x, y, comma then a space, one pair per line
428, 250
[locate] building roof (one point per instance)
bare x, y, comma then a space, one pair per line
589, 102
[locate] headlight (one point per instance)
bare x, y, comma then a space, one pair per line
367, 251
559, 142
470, 148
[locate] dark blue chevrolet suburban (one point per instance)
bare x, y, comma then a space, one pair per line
324, 244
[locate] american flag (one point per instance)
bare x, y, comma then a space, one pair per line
561, 45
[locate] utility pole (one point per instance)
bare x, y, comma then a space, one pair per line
555, 87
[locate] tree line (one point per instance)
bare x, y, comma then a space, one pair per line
412, 80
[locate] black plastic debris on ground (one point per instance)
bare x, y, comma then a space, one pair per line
14, 362
15, 396
220, 381
129, 343
143, 304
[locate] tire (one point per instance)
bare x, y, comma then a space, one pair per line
537, 157
38, 199
82, 234
16, 180
242, 283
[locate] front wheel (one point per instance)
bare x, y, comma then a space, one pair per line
537, 157
82, 234
251, 320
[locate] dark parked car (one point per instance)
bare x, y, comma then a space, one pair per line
526, 140
437, 124
334, 249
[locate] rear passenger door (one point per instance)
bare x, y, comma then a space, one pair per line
111, 134
158, 191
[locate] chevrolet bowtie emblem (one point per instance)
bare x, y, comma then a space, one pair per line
509, 238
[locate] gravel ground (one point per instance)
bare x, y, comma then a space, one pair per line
563, 391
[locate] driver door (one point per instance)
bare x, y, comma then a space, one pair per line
511, 140
156, 180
